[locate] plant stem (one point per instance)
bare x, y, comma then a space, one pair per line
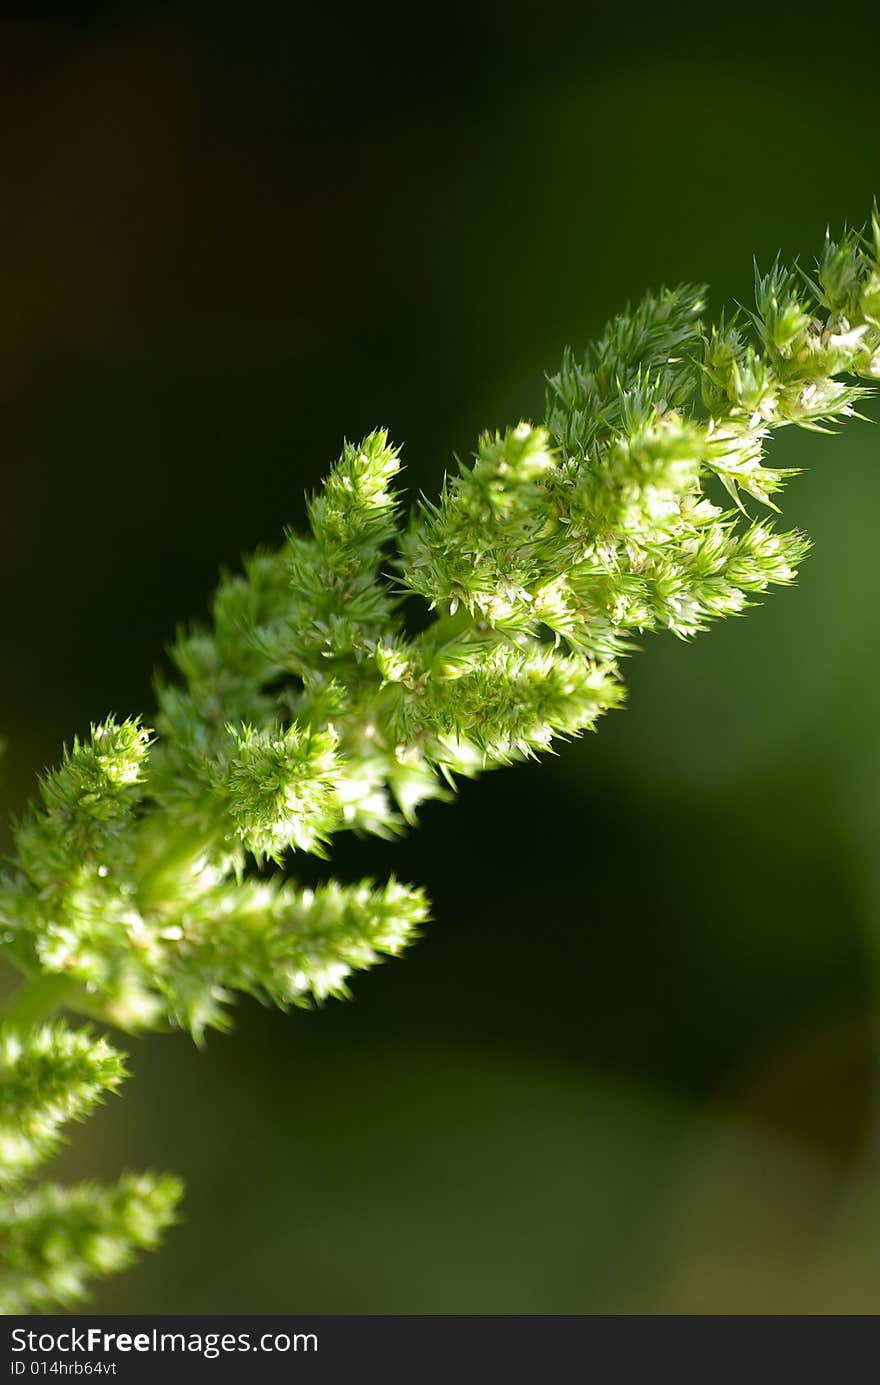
37, 999
183, 847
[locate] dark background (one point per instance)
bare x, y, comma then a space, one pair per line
632, 1064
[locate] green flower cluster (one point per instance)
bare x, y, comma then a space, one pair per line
53, 1240
355, 671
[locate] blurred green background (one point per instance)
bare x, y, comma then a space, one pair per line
632, 1066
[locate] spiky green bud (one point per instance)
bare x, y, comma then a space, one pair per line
54, 1241
48, 1076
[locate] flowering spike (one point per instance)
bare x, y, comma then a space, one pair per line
56, 1240
308, 705
48, 1076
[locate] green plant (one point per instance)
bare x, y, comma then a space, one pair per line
145, 892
